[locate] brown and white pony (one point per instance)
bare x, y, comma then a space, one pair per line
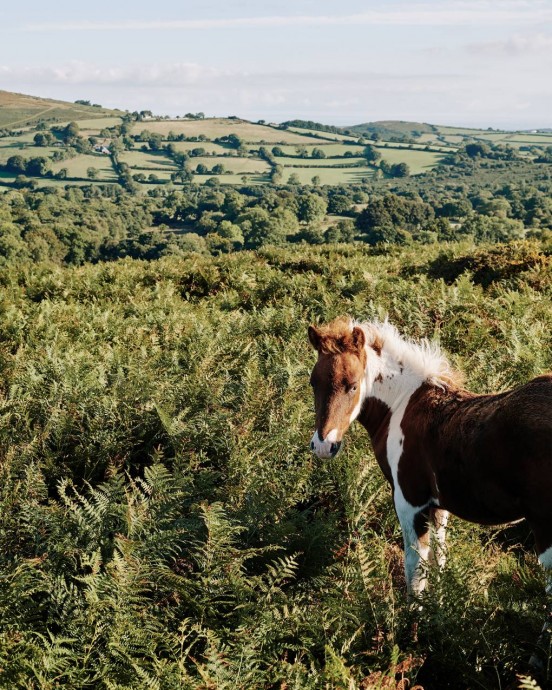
484, 458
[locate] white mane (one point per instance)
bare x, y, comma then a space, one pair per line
423, 358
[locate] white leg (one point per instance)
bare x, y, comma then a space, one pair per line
438, 554
416, 544
545, 636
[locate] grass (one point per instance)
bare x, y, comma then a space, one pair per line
150, 160
318, 162
234, 179
418, 161
163, 523
329, 149
78, 166
330, 176
18, 146
162, 174
213, 128
209, 146
236, 164
327, 136
93, 127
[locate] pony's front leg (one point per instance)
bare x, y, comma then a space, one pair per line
544, 644
439, 519
416, 537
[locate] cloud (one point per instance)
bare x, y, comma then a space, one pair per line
175, 74
338, 96
515, 46
151, 75
467, 12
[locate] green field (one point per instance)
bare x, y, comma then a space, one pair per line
329, 136
94, 126
214, 128
77, 167
328, 148
151, 160
233, 179
329, 176
209, 146
236, 164
164, 175
319, 162
23, 146
536, 139
418, 161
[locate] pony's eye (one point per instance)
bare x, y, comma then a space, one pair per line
353, 388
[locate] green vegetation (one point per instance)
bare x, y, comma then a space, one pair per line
162, 521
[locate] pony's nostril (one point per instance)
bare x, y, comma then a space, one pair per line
312, 445
335, 447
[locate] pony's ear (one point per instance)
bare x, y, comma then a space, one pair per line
314, 337
359, 339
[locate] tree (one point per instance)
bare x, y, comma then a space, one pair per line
44, 139
70, 132
311, 208
315, 180
294, 179
37, 166
260, 227
339, 204
277, 151
231, 231
92, 173
16, 164
371, 154
155, 141
318, 153
477, 150
201, 169
387, 234
218, 169
400, 170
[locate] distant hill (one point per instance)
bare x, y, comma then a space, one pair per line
20, 110
393, 128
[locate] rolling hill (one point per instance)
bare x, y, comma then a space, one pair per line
20, 110
229, 151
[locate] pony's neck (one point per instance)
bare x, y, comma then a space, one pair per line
390, 380
396, 367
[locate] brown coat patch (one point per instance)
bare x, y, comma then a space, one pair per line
486, 458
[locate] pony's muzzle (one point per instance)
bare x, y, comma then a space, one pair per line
324, 449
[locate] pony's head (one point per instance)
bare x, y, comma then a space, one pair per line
337, 381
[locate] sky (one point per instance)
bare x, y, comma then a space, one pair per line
460, 62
